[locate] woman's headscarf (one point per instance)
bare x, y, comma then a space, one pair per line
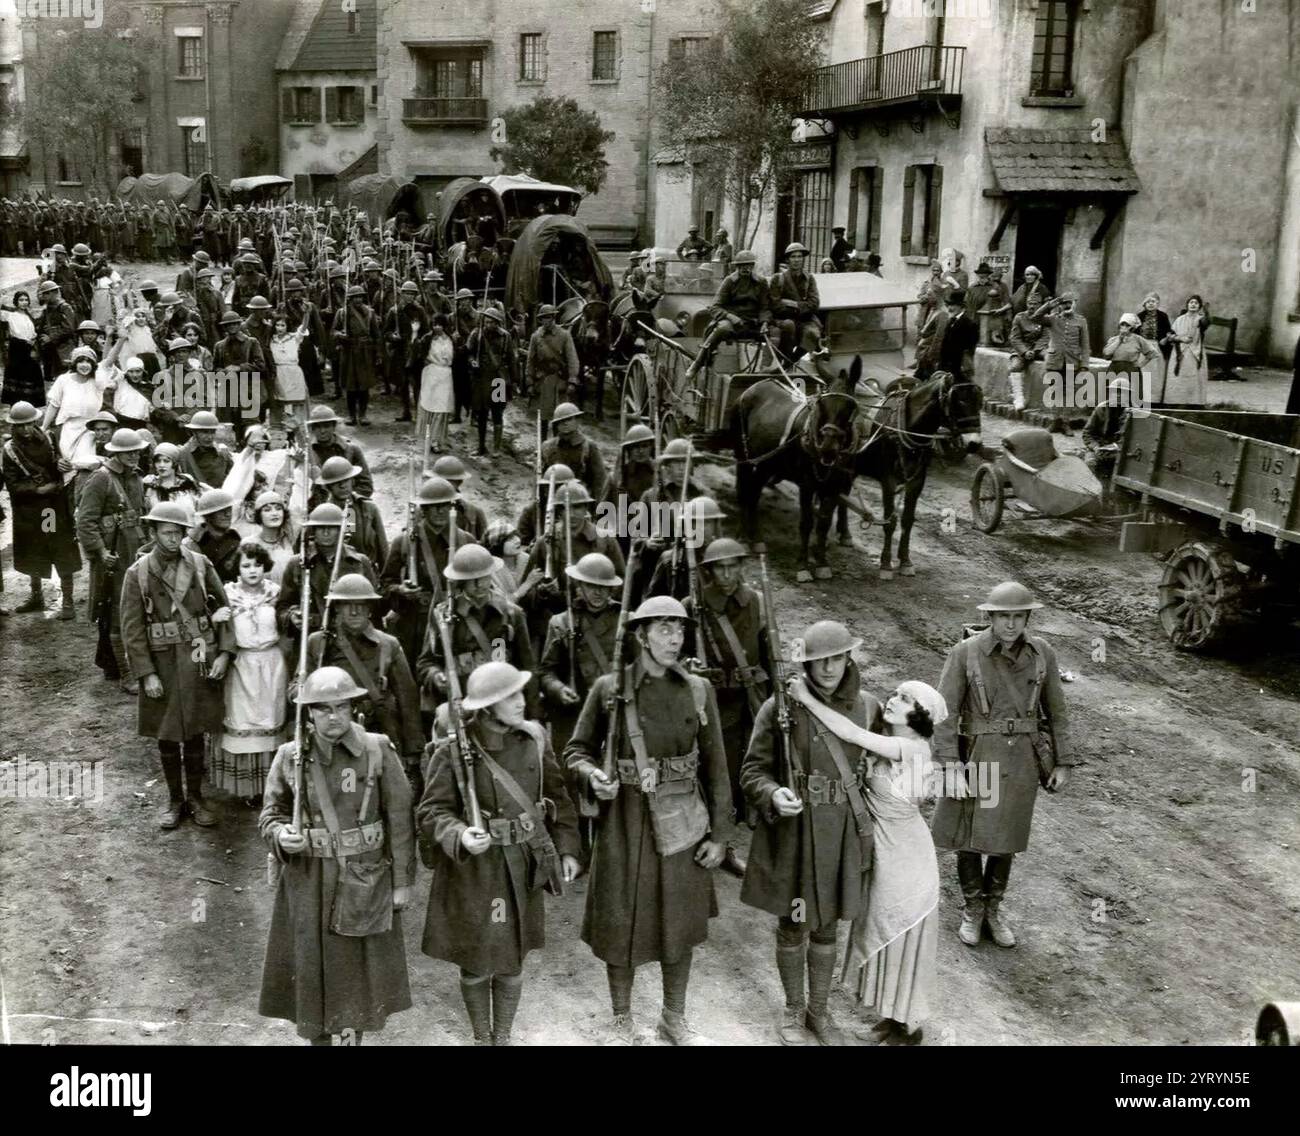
926, 697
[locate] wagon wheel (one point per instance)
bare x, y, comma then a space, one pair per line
986, 497
634, 403
669, 428
1200, 596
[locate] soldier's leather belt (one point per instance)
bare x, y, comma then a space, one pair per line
672, 774
512, 830
170, 633
351, 841
818, 789
1003, 726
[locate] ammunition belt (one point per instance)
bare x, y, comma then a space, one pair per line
512, 830
672, 774
171, 633
367, 838
817, 789
1003, 726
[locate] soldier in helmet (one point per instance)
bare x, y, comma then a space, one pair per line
215, 537
662, 508
529, 842
742, 307
694, 247
568, 445
375, 660
326, 443
527, 526
179, 640
579, 641
494, 375
325, 525
701, 526
336, 482
484, 626
203, 458
412, 578
634, 473
56, 328
814, 843
335, 960
1009, 724
730, 641
469, 516
795, 303
240, 352
464, 322
663, 803
551, 369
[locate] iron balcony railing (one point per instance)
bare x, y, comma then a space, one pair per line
897, 77
439, 111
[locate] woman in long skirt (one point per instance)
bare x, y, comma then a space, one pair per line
290, 382
76, 397
437, 397
335, 960
23, 381
256, 684
890, 962
1188, 375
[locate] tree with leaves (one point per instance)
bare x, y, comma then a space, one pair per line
81, 85
728, 107
554, 139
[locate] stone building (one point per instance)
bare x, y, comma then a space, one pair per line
1089, 138
328, 94
13, 139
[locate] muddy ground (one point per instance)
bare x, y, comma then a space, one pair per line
1159, 901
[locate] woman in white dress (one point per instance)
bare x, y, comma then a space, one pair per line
437, 400
1188, 374
75, 397
272, 529
290, 382
255, 685
890, 962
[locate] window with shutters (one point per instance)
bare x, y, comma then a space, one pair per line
530, 57
194, 149
691, 46
343, 105
865, 195
604, 57
922, 204
300, 106
190, 50
1053, 59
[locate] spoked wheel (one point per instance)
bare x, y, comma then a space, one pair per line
1200, 596
986, 497
634, 405
669, 428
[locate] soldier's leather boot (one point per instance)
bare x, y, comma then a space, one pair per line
996, 873
34, 602
790, 966
478, 1005
821, 972
170, 815
675, 1028
68, 611
203, 816
622, 1031
506, 992
496, 439
970, 874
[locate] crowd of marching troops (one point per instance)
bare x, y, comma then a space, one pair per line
517, 701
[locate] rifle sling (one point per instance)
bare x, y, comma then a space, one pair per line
361, 671
325, 802
861, 818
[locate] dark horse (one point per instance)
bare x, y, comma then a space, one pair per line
777, 438
899, 444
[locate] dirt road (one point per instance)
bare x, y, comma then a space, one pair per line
1158, 902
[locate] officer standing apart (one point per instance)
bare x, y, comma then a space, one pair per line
1010, 728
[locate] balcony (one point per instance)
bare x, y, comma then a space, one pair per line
430, 111
914, 78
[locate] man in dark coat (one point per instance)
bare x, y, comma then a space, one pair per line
568, 445
494, 375
216, 539
486, 911
187, 280
56, 328
840, 249
326, 525
402, 326
1009, 730
326, 443
241, 353
795, 301
552, 363
109, 513
661, 809
331, 984
203, 457
44, 533
960, 337
356, 338
813, 847
311, 351
742, 307
179, 653
694, 247
365, 525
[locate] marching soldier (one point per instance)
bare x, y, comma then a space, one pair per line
494, 375
180, 640
579, 642
1003, 684
469, 516
240, 352
528, 843
358, 346
661, 507
203, 457
335, 483
485, 627
662, 802
464, 322
552, 363
374, 660
402, 326
812, 851
527, 525
57, 328
326, 525
569, 446
108, 528
410, 596
730, 640
326, 444
634, 473
216, 539
335, 960
701, 526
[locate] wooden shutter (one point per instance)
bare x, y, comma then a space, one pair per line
851, 223
934, 213
676, 49
876, 184
331, 104
313, 105
286, 105
909, 190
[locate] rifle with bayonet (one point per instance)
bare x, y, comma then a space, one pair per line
568, 594
785, 764
617, 688
679, 525
462, 752
334, 569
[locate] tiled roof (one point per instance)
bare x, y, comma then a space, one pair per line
367, 163
329, 46
1059, 160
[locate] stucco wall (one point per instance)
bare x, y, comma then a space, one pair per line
326, 148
